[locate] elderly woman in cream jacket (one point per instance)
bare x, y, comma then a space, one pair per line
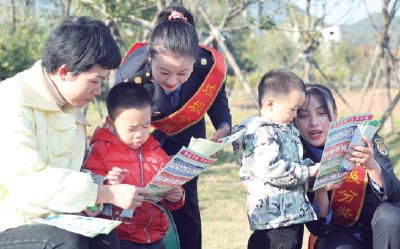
42, 133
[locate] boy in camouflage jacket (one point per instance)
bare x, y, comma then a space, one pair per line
271, 165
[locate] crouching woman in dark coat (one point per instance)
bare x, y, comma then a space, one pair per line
362, 211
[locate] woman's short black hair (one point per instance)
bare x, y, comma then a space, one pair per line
127, 96
80, 42
323, 95
176, 36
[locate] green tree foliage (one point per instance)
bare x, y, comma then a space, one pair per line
20, 50
22, 40
344, 64
271, 50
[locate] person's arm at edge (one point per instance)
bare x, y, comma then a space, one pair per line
220, 116
390, 191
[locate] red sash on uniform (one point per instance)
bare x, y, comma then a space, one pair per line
348, 200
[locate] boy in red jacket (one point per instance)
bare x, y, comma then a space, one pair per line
127, 153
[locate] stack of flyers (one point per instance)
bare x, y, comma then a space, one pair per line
187, 164
86, 226
364, 128
342, 133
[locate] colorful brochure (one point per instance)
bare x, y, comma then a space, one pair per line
86, 226
186, 164
342, 133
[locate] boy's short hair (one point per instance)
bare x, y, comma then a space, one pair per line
278, 83
127, 96
80, 42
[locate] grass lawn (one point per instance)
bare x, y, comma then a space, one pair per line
224, 219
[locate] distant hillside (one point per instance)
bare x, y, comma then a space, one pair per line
363, 32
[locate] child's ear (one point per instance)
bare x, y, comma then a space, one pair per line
110, 123
269, 104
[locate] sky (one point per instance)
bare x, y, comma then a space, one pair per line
335, 15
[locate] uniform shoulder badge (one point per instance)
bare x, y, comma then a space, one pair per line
381, 146
138, 80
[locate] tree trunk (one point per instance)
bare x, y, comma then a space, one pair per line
308, 54
390, 109
228, 54
65, 4
160, 4
146, 35
368, 78
13, 21
307, 69
120, 40
373, 89
384, 66
385, 94
332, 85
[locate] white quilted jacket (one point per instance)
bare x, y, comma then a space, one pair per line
41, 152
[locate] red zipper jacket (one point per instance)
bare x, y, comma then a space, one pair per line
147, 223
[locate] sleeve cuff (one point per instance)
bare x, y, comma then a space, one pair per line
375, 186
224, 123
308, 162
304, 173
317, 211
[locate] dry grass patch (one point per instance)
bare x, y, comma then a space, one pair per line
224, 219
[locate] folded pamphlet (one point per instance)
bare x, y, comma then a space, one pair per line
342, 133
187, 164
86, 226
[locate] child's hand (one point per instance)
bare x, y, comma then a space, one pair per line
88, 212
313, 170
116, 175
331, 186
174, 195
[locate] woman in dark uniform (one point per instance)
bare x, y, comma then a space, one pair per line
362, 211
185, 80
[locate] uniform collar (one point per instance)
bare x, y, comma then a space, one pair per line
177, 89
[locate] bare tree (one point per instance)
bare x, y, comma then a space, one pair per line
215, 35
368, 78
306, 40
65, 5
13, 19
309, 31
384, 68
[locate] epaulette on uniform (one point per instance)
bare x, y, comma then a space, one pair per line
141, 77
204, 59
